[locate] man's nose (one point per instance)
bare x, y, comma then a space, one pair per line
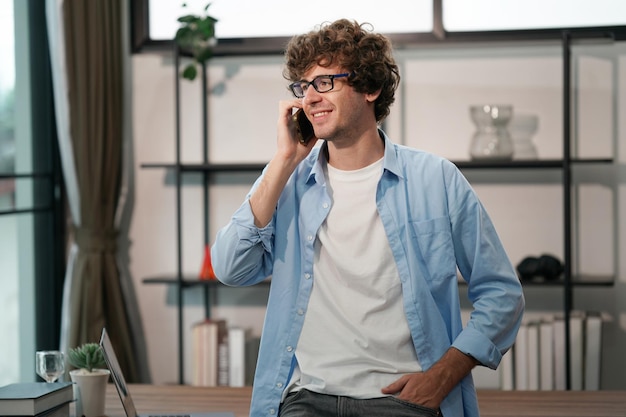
310, 94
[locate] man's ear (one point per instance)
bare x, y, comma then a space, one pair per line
371, 97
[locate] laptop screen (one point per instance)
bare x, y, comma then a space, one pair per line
116, 374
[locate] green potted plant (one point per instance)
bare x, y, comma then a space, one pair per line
90, 379
196, 36
87, 357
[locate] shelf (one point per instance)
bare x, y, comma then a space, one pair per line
567, 171
586, 281
577, 281
203, 167
190, 282
526, 164
482, 164
185, 282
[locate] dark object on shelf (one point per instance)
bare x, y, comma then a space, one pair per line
546, 266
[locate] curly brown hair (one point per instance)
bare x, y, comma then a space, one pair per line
353, 47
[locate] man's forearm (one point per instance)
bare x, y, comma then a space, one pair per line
429, 388
453, 366
264, 199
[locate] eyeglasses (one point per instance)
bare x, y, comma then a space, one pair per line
321, 84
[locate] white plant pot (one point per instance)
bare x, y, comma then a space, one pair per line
90, 391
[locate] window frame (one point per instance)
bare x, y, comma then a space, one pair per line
141, 41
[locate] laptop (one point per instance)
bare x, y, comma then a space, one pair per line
122, 390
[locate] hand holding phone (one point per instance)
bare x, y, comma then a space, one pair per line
304, 128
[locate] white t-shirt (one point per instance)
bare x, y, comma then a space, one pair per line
355, 338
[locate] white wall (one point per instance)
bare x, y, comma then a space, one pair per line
431, 112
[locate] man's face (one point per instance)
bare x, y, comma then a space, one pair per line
339, 114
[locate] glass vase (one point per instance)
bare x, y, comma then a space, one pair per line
522, 128
491, 139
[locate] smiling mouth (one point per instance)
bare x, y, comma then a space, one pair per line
320, 114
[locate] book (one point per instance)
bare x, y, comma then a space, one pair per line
237, 337
576, 338
222, 359
546, 355
533, 356
593, 351
507, 374
210, 353
62, 410
558, 337
252, 353
33, 398
520, 355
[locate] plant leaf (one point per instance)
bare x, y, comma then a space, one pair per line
190, 72
204, 55
188, 18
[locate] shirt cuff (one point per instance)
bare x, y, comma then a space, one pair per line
475, 344
248, 232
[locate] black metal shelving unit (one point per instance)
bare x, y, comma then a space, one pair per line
179, 169
563, 166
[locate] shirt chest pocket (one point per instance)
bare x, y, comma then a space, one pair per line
434, 241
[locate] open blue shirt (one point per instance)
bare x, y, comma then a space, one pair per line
434, 223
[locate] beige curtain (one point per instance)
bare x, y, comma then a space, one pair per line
92, 85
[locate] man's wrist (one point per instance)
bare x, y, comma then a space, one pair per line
453, 366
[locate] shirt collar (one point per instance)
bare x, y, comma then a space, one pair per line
390, 160
319, 163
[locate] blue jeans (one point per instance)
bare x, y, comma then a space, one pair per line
311, 404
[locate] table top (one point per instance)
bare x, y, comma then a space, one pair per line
493, 403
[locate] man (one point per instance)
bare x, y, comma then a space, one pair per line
362, 239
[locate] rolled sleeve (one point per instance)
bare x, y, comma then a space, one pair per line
247, 232
474, 343
241, 254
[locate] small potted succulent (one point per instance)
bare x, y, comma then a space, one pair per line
90, 379
196, 36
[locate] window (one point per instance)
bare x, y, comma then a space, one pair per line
266, 26
484, 15
155, 22
9, 320
30, 273
286, 18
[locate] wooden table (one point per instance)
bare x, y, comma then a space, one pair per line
179, 398
162, 399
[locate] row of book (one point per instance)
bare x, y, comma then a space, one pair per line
38, 399
537, 360
222, 355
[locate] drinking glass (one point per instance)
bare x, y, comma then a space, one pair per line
50, 364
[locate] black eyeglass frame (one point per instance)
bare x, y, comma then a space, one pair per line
304, 85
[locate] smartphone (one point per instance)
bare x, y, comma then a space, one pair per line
304, 128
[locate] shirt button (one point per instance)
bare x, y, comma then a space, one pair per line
272, 411
279, 385
309, 238
289, 348
300, 311
325, 205
307, 276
